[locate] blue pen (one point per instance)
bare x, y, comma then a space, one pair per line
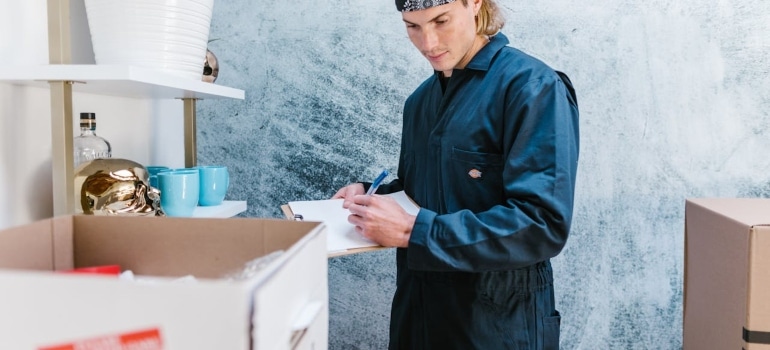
377, 182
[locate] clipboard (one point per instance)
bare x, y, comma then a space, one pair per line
341, 236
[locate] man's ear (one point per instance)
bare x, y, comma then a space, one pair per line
476, 6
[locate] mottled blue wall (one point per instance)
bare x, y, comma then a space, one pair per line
674, 98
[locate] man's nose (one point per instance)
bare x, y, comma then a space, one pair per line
429, 39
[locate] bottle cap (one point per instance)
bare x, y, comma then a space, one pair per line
88, 120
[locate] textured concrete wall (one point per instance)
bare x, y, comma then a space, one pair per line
674, 99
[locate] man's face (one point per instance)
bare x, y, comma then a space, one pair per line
444, 34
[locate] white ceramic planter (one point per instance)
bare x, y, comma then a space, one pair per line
167, 35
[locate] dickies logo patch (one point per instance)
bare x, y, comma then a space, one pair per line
475, 173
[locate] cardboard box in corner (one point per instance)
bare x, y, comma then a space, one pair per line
283, 306
727, 274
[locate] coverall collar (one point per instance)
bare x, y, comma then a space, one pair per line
483, 58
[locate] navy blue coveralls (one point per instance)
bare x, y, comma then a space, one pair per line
492, 162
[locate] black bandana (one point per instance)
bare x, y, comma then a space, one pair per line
417, 5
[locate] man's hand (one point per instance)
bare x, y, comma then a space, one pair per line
380, 218
348, 192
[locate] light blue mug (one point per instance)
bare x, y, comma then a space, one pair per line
214, 181
179, 191
153, 171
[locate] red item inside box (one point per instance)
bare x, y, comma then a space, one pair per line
99, 270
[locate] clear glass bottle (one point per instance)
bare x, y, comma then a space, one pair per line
89, 146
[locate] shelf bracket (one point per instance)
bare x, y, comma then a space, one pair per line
62, 168
190, 148
62, 158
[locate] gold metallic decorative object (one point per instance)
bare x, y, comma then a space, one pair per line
210, 67
114, 186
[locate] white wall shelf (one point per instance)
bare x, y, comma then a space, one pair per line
118, 80
113, 80
225, 210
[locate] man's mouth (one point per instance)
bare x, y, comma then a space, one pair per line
436, 58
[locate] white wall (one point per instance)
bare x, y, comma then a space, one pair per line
25, 155
146, 131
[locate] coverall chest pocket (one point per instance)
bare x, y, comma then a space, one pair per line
478, 175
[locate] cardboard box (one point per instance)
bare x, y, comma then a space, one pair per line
727, 274
284, 306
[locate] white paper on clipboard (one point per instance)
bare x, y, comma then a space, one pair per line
342, 235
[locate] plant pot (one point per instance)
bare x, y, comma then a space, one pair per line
164, 35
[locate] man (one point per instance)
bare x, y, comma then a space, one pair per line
489, 152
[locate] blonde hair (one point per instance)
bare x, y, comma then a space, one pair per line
489, 20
